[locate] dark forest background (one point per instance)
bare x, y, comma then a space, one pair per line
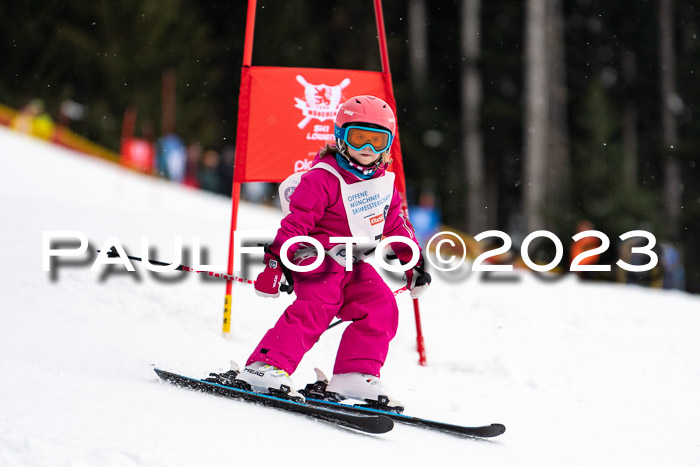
621, 147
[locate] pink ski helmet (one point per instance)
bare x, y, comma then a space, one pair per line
366, 109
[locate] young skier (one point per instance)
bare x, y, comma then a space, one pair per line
347, 192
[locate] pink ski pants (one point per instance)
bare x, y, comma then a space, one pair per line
360, 295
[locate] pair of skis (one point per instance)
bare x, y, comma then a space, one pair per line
361, 418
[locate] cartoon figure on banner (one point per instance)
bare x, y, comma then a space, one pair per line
321, 101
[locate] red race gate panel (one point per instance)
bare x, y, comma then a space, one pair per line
286, 115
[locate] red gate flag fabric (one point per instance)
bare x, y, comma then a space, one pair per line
286, 115
138, 154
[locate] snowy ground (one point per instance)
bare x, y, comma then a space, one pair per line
581, 374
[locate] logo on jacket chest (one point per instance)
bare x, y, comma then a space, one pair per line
376, 219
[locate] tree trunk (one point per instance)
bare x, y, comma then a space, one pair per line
669, 104
418, 44
168, 112
472, 147
630, 151
536, 114
558, 164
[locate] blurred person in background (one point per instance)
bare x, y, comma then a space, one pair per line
673, 270
583, 245
208, 171
653, 278
425, 217
172, 158
194, 154
228, 159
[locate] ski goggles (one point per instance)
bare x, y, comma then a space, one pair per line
360, 137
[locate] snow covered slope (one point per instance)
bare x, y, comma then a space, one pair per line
581, 374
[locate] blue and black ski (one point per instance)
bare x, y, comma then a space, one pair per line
487, 431
365, 422
317, 396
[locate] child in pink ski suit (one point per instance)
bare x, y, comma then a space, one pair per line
347, 191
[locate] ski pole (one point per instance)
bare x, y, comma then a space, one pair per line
112, 253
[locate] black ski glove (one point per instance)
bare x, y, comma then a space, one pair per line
417, 279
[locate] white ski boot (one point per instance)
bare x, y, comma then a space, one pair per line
267, 379
363, 387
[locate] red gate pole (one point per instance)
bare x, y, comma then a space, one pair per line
249, 32
236, 190
420, 344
